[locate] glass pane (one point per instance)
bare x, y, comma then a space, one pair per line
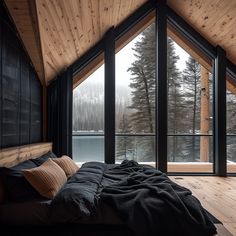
184, 153
88, 118
88, 147
135, 97
190, 100
231, 128
137, 148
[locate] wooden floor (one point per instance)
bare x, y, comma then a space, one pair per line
217, 195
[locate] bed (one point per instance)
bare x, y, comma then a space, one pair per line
96, 199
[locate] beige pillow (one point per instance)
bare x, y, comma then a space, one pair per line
67, 164
47, 179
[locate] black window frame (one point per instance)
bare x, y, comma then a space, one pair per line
165, 15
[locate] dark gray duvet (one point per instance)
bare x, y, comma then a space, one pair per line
141, 197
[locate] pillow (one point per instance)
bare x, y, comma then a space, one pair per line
17, 187
47, 179
40, 160
67, 164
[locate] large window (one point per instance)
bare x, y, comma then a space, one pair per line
190, 102
88, 118
190, 113
135, 99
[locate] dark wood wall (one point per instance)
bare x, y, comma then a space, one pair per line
20, 90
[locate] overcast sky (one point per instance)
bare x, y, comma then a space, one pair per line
124, 58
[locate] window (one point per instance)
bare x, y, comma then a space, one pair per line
190, 113
135, 99
88, 118
190, 102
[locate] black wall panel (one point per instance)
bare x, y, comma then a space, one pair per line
24, 103
35, 108
20, 91
10, 89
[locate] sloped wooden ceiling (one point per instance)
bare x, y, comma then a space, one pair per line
68, 28
57, 32
215, 20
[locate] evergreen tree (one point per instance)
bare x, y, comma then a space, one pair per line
143, 91
125, 147
231, 126
175, 112
143, 88
191, 78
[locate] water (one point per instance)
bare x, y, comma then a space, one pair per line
88, 148
91, 148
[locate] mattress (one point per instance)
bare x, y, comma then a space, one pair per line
34, 212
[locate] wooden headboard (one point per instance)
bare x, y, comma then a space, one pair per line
14, 155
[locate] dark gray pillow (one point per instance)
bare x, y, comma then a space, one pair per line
40, 160
17, 187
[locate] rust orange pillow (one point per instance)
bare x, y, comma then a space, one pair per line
47, 179
67, 164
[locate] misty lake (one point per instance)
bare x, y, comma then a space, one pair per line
88, 148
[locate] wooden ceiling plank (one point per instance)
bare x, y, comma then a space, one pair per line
64, 56
59, 55
75, 49
51, 52
117, 10
65, 31
82, 38
194, 10
49, 73
87, 21
50, 23
105, 9
77, 27
225, 27
214, 20
90, 9
124, 5
215, 16
93, 7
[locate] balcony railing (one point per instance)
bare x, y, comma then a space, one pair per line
183, 156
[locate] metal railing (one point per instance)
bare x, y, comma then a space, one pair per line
231, 144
